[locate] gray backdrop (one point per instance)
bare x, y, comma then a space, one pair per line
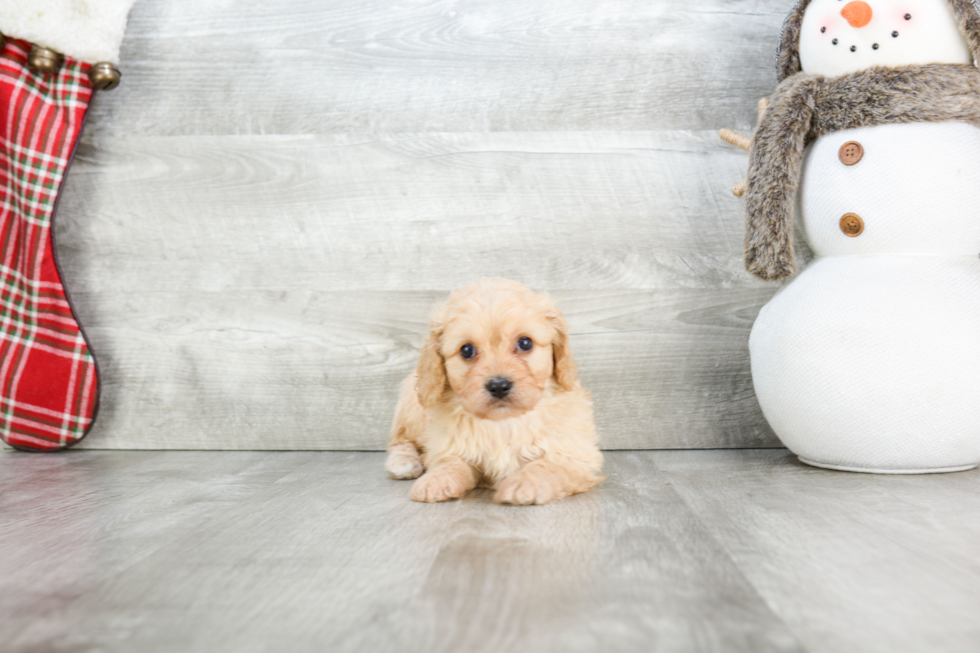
260, 219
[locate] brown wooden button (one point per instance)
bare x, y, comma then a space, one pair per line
850, 153
852, 225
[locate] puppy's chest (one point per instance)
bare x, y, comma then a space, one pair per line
496, 448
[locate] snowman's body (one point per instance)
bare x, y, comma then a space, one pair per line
870, 359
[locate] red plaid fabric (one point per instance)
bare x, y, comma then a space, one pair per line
48, 381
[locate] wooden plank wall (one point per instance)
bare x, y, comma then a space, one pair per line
260, 219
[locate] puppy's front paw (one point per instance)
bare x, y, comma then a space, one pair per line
438, 486
525, 490
404, 462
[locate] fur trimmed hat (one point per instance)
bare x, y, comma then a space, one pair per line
967, 14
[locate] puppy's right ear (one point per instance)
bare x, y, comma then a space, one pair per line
431, 370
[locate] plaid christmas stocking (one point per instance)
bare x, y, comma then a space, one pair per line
49, 385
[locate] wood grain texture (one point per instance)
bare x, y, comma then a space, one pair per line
230, 285
406, 212
320, 370
676, 551
887, 563
260, 218
304, 66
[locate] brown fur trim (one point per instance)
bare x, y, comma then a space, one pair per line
788, 51
806, 107
967, 13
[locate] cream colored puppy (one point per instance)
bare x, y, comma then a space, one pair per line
495, 401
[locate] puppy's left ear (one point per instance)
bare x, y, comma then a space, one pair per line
566, 371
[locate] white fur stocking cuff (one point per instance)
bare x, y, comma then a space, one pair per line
87, 30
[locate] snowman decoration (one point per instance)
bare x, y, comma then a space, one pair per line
869, 360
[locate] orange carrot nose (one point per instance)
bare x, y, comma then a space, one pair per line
857, 13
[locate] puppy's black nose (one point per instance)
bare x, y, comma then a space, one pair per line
499, 387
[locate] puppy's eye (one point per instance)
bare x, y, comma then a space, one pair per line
467, 351
525, 344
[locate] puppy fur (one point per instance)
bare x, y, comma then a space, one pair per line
536, 444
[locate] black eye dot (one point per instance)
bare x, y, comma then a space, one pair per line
895, 35
525, 344
823, 29
875, 46
908, 16
834, 41
854, 48
467, 351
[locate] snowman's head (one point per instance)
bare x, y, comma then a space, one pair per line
836, 37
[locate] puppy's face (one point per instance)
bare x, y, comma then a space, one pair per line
498, 347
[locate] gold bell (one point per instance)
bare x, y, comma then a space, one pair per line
44, 60
104, 76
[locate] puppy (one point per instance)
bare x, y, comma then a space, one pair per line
495, 402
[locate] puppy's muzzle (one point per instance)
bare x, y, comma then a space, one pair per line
499, 387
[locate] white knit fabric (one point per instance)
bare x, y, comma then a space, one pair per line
87, 30
870, 358
917, 189
873, 362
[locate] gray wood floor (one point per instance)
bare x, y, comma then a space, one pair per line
261, 217
742, 550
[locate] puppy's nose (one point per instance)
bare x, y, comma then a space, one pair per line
499, 387
857, 13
